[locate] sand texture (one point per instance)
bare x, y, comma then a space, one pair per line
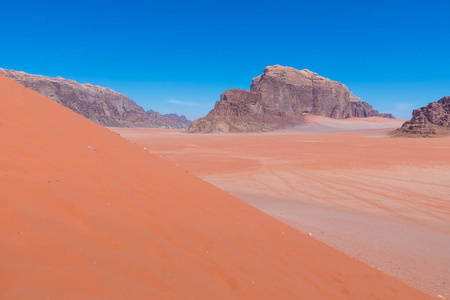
384, 201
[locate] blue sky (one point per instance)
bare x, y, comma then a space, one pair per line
179, 56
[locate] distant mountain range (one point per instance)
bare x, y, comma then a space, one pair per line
99, 104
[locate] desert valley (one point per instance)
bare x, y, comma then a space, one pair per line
225, 150
295, 189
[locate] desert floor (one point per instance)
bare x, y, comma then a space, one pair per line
384, 201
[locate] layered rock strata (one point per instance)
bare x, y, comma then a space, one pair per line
99, 104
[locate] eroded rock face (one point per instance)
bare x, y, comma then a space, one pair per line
432, 120
387, 115
282, 96
99, 104
242, 111
361, 109
293, 91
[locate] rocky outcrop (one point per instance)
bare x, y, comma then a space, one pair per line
387, 115
361, 109
99, 104
432, 120
181, 120
280, 97
298, 92
242, 111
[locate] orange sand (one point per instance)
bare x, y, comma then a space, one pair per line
120, 223
383, 201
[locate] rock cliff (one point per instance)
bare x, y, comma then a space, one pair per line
99, 104
280, 97
432, 120
242, 111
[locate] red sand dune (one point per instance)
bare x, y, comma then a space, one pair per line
118, 222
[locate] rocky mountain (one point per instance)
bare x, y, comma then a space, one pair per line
280, 97
99, 104
242, 111
430, 121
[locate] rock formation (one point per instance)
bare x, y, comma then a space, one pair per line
280, 97
432, 120
387, 115
242, 111
99, 104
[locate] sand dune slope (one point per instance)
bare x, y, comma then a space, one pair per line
118, 222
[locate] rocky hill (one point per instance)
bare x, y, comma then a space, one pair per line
432, 120
99, 104
242, 111
280, 97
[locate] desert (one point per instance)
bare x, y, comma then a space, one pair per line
87, 214
383, 201
225, 150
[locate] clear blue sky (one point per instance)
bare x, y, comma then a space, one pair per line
179, 56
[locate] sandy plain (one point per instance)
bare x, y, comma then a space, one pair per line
384, 201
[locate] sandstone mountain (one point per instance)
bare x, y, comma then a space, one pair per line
280, 97
99, 104
430, 121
